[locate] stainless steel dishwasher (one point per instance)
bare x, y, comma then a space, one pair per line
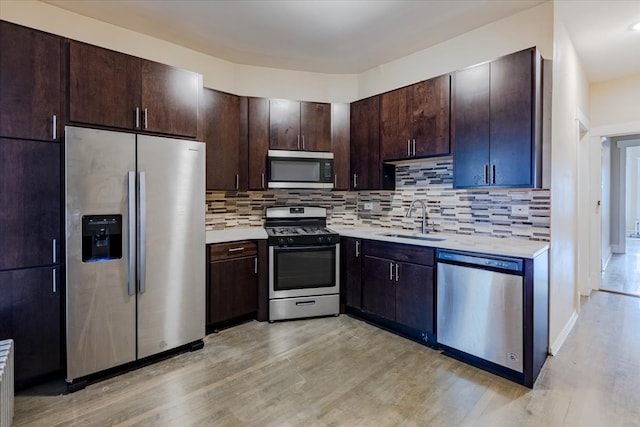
479, 306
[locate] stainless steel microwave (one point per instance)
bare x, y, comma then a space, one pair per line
300, 169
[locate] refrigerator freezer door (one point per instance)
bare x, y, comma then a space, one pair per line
171, 301
101, 315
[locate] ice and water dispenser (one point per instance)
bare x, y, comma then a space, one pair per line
101, 237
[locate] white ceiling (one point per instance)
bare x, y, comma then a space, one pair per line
351, 36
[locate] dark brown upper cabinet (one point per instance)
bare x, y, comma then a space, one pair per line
221, 130
496, 123
111, 89
31, 93
414, 120
340, 129
365, 145
258, 142
299, 125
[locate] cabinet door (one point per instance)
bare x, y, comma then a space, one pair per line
258, 134
284, 124
30, 89
351, 250
395, 124
379, 287
104, 87
340, 118
315, 126
29, 203
233, 289
169, 99
365, 144
470, 115
221, 131
512, 120
30, 314
430, 116
414, 297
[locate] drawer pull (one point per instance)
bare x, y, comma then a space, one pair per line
302, 303
236, 249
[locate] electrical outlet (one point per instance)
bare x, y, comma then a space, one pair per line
520, 210
367, 206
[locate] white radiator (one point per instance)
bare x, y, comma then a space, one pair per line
6, 383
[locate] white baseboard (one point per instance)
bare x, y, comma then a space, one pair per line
555, 347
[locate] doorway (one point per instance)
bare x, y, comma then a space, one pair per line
622, 273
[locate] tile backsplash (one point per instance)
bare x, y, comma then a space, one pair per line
485, 212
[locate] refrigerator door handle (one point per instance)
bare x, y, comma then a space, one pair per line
142, 232
131, 218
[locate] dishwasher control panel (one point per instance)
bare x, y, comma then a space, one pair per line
481, 260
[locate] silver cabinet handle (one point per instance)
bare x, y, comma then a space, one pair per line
263, 180
55, 128
355, 180
298, 142
335, 180
54, 244
137, 118
142, 232
408, 147
237, 181
255, 265
390, 271
54, 279
357, 248
131, 219
303, 142
146, 119
397, 272
493, 174
486, 174
414, 147
236, 249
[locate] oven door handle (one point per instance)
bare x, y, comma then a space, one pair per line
303, 248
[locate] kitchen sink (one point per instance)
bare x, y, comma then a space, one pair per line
413, 236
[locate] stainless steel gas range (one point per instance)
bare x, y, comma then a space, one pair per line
304, 263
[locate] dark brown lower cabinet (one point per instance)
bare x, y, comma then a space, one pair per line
232, 288
30, 314
351, 275
398, 284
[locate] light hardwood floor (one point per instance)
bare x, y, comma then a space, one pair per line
623, 271
344, 372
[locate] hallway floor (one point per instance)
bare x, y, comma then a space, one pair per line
622, 274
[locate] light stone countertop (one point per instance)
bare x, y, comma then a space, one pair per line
235, 234
483, 244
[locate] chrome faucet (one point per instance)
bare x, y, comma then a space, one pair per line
424, 214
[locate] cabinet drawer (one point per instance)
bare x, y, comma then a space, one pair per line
221, 251
399, 252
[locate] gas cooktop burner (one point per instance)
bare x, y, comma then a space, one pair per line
298, 226
298, 231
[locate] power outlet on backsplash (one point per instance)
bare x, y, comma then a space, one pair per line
367, 207
520, 210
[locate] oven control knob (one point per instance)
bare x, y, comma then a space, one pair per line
320, 239
281, 241
290, 240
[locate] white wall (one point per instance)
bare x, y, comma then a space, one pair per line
616, 102
532, 27
570, 93
217, 73
633, 189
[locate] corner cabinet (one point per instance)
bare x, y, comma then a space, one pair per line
232, 286
299, 125
340, 128
496, 123
31, 90
111, 89
414, 120
258, 141
351, 274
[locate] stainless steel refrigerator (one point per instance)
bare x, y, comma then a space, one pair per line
135, 247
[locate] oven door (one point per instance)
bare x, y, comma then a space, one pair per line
301, 271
